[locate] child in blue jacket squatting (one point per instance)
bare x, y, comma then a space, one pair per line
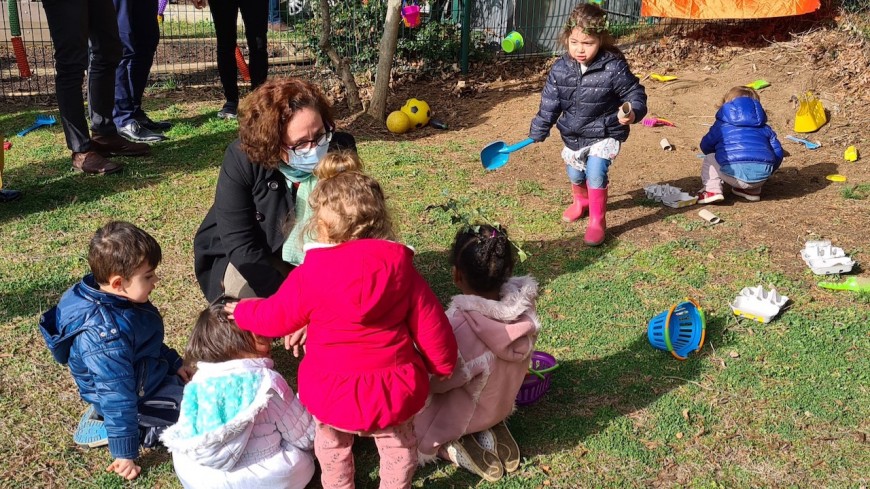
582, 97
111, 337
741, 149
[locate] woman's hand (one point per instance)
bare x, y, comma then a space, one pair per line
296, 340
230, 308
200, 3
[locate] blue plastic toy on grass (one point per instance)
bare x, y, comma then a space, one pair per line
679, 330
41, 120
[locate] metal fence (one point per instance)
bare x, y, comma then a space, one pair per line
186, 54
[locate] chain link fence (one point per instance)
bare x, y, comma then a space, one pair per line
186, 54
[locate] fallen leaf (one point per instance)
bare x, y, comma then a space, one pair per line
686, 414
734, 354
680, 435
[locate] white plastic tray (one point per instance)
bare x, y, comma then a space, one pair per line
825, 259
758, 304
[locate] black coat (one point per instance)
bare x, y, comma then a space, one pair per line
584, 106
246, 224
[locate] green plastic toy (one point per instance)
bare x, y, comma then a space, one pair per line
855, 284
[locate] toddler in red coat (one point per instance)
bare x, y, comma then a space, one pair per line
375, 330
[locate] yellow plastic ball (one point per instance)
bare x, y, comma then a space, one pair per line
398, 122
418, 111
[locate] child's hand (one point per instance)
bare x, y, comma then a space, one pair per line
186, 373
125, 467
230, 308
627, 120
296, 340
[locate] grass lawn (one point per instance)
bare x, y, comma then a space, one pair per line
781, 404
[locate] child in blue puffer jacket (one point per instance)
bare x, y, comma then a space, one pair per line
111, 337
583, 94
741, 149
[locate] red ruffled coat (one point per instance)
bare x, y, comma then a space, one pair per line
375, 330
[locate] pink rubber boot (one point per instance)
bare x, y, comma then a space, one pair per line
581, 203
597, 224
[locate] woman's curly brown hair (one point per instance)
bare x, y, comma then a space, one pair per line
264, 114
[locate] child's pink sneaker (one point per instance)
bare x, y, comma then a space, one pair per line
750, 194
705, 197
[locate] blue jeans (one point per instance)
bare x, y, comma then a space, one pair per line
595, 174
140, 34
274, 12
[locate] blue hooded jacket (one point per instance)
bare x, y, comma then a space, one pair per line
584, 105
115, 352
746, 147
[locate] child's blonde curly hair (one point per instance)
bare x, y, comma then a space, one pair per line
347, 204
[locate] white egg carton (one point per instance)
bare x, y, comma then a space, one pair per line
758, 304
825, 259
669, 195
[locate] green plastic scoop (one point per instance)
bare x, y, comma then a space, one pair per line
855, 284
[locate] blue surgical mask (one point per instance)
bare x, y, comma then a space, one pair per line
307, 160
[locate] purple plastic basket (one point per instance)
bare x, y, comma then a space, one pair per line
534, 387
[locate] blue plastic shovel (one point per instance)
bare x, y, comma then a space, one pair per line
807, 143
495, 155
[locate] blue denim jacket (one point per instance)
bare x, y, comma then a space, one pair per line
115, 352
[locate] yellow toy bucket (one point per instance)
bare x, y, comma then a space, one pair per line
810, 114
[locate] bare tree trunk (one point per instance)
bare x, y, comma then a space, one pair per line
386, 52
341, 65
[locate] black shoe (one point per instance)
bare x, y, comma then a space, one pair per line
158, 126
138, 134
230, 110
8, 195
115, 145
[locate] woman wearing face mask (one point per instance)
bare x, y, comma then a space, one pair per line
250, 240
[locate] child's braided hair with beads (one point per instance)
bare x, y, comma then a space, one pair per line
484, 255
592, 20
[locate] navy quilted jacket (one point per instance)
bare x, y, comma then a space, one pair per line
746, 147
115, 352
584, 106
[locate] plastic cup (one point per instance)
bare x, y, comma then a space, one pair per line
512, 42
411, 15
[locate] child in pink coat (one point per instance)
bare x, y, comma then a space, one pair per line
496, 327
375, 331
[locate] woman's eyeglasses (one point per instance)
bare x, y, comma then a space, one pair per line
299, 149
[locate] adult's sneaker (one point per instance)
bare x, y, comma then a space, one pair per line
705, 197
230, 110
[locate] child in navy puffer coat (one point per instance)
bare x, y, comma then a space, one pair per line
584, 92
741, 149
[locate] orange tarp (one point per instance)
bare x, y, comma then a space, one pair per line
726, 9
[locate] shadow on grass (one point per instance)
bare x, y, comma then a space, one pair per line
51, 184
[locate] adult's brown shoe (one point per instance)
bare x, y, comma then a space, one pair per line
94, 163
115, 145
